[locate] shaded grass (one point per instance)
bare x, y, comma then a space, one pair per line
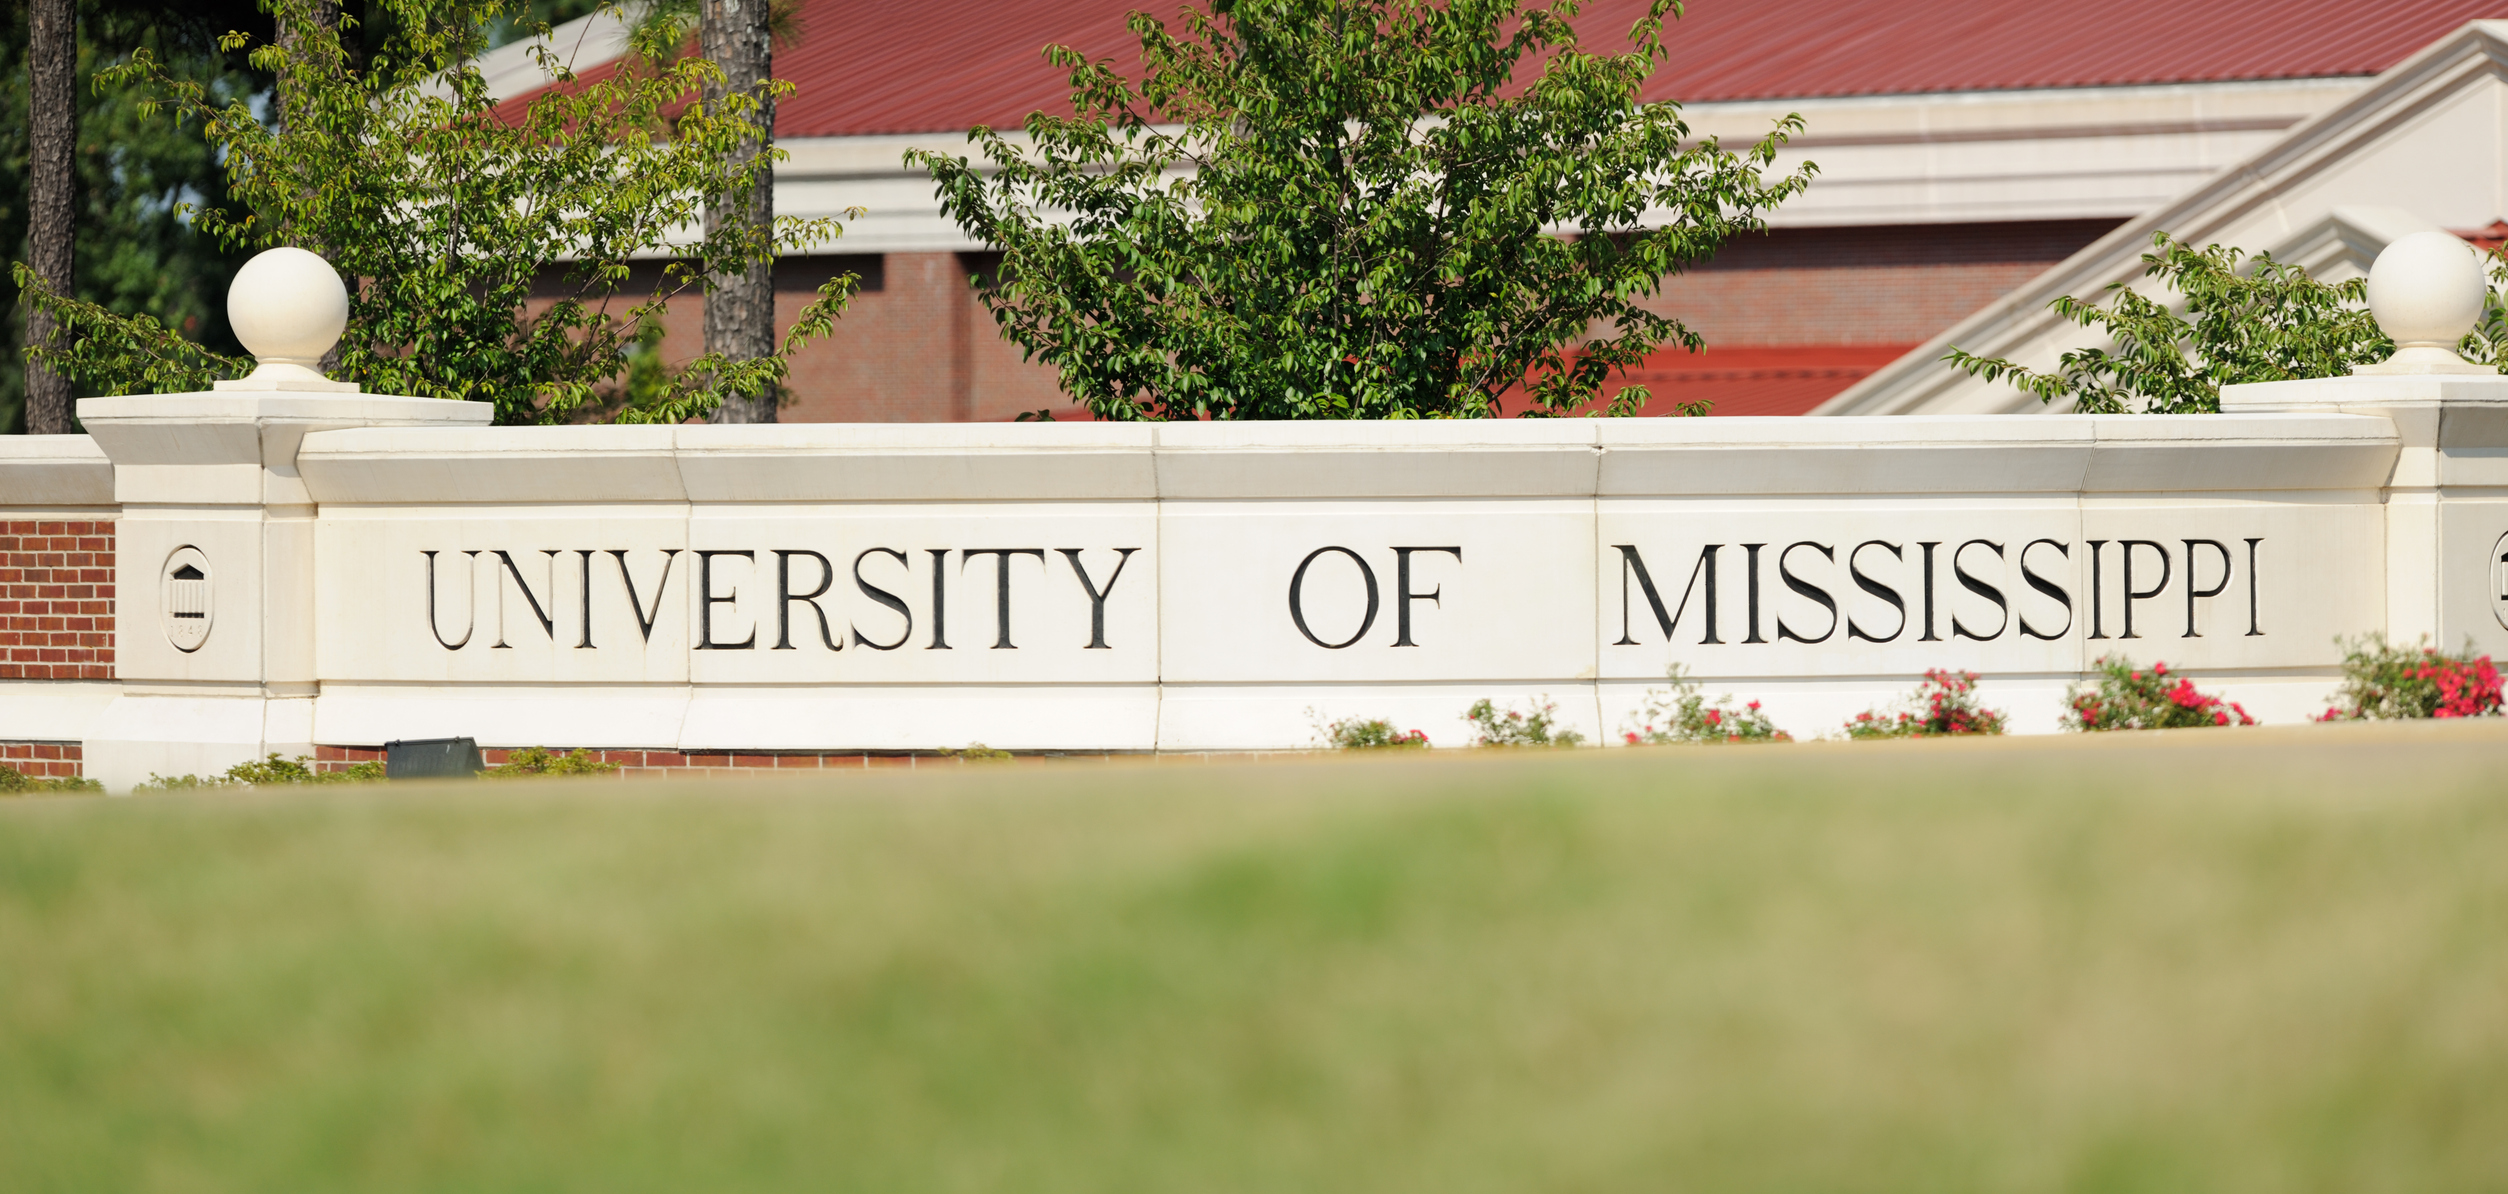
2257, 960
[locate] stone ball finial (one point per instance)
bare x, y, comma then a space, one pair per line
2427, 291
288, 307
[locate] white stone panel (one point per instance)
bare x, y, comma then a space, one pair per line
1837, 588
1495, 591
2472, 568
519, 594
945, 593
232, 538
2284, 568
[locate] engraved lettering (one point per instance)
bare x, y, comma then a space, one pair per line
2131, 594
884, 597
1980, 588
547, 618
705, 593
1630, 562
2048, 588
1877, 589
1804, 588
1001, 577
435, 626
785, 597
1097, 596
1297, 600
1403, 596
645, 621
2191, 569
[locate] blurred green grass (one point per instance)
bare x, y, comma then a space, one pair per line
2230, 961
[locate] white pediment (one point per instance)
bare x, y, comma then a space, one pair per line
2425, 146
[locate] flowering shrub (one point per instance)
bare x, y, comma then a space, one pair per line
1372, 733
1944, 705
2148, 699
1681, 714
2382, 682
1490, 727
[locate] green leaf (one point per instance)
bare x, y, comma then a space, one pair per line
1353, 209
489, 248
2263, 320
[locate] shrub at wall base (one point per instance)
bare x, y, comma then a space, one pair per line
2125, 697
2382, 682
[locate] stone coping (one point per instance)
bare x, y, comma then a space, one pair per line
838, 462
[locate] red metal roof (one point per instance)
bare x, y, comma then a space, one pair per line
1738, 49
944, 65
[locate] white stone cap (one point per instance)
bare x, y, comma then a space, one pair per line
2427, 291
289, 307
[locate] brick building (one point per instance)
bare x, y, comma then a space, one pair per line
1965, 148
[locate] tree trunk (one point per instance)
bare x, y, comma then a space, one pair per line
52, 145
740, 308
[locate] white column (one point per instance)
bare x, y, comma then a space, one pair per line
2447, 500
215, 604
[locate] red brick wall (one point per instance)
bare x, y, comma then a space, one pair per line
920, 348
917, 346
1794, 315
56, 601
43, 760
914, 346
1894, 285
1759, 381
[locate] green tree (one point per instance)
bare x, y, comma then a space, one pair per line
1354, 209
2242, 321
136, 251
447, 208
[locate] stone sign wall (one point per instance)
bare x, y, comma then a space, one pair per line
1226, 587
1083, 587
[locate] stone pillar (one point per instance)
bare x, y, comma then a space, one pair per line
214, 628
2447, 500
